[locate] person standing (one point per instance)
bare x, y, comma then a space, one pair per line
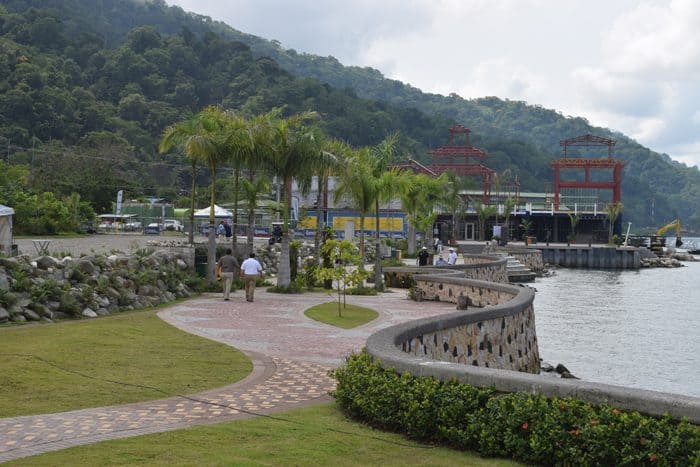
452, 257
220, 230
423, 256
251, 270
229, 265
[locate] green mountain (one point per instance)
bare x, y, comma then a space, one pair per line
109, 75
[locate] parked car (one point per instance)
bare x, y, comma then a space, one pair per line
133, 226
173, 224
152, 229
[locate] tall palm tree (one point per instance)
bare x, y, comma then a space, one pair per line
193, 139
356, 182
292, 154
251, 191
239, 149
383, 179
419, 193
613, 211
331, 161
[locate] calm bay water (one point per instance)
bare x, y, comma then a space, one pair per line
629, 328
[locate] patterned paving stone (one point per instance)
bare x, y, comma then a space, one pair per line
292, 356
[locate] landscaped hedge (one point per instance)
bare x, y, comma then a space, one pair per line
524, 427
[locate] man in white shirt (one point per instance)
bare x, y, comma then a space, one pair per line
452, 257
250, 270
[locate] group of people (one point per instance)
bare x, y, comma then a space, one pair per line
223, 230
250, 270
424, 256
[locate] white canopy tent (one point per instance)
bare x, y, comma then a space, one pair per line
6, 214
219, 212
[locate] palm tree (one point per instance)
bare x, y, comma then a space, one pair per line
613, 211
239, 149
383, 180
419, 193
484, 212
356, 182
331, 158
292, 154
193, 139
251, 191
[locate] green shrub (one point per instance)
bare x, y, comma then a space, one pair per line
7, 298
46, 290
69, 304
361, 291
20, 280
525, 427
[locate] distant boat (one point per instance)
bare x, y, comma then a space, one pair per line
692, 247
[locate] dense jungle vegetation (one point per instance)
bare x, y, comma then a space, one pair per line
88, 86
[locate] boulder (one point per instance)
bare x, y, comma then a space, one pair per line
89, 313
31, 315
18, 318
46, 262
85, 266
4, 315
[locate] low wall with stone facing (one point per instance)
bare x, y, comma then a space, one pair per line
529, 258
508, 343
478, 267
440, 346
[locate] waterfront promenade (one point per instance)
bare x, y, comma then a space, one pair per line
291, 354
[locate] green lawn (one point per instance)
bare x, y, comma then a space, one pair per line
319, 435
112, 360
351, 316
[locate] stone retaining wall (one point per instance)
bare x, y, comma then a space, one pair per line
47, 288
529, 258
480, 348
478, 267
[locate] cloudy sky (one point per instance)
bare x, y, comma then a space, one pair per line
629, 65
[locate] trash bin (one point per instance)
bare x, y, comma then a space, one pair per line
201, 269
393, 253
398, 255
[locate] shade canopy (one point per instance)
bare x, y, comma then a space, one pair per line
218, 212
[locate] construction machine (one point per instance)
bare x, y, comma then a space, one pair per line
658, 241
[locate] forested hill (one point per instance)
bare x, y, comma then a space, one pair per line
104, 79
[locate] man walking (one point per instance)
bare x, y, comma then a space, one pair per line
228, 265
251, 270
423, 256
452, 257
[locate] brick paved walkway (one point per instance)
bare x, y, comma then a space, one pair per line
291, 354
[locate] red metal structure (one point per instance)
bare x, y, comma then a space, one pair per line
460, 158
566, 162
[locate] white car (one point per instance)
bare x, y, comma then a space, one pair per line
173, 224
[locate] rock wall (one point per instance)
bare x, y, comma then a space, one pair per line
508, 343
47, 288
479, 267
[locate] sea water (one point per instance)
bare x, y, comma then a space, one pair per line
630, 328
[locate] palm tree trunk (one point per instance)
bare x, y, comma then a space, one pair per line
234, 227
251, 221
378, 256
192, 204
411, 238
284, 273
211, 247
319, 217
362, 241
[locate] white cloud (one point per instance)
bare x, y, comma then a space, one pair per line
628, 65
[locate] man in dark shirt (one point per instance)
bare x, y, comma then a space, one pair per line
423, 256
229, 266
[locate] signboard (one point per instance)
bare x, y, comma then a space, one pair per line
120, 196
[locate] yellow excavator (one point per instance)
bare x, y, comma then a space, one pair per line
658, 241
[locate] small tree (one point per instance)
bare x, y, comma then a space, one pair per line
613, 210
343, 254
573, 219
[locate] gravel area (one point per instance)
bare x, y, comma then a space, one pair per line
99, 243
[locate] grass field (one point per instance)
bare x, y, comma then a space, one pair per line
113, 360
351, 316
318, 435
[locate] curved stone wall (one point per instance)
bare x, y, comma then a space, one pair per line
481, 348
530, 258
479, 267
